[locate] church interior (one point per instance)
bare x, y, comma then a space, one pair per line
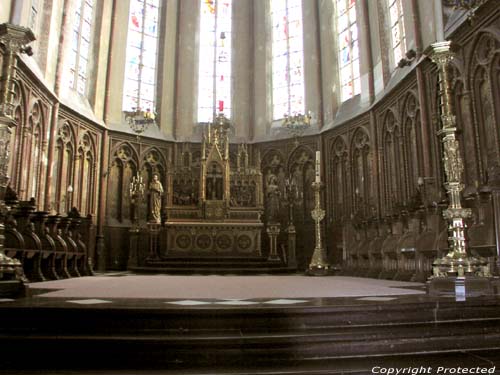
249, 186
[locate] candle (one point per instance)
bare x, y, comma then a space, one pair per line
221, 105
318, 166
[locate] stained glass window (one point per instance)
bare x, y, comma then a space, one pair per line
397, 29
287, 58
214, 74
33, 19
348, 47
80, 46
140, 68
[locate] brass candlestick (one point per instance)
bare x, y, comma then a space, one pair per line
456, 262
319, 265
136, 190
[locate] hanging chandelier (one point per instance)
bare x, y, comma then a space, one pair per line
467, 5
297, 123
140, 120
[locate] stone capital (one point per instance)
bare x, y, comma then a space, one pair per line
15, 38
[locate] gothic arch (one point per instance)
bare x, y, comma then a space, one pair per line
124, 164
153, 162
33, 147
64, 158
131, 153
85, 174
339, 153
412, 144
361, 170
392, 166
153, 156
484, 58
300, 155
20, 115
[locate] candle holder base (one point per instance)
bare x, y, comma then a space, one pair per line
462, 287
319, 270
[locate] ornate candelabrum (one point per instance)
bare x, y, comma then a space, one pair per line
319, 265
297, 123
292, 196
13, 40
140, 120
137, 189
457, 263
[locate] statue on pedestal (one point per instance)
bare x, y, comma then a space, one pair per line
155, 192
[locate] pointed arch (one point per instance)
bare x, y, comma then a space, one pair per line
20, 115
393, 173
361, 170
339, 154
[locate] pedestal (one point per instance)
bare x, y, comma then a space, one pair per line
461, 287
101, 253
154, 231
291, 256
273, 230
133, 248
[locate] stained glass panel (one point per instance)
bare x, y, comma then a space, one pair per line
347, 29
397, 29
215, 44
140, 67
288, 58
77, 58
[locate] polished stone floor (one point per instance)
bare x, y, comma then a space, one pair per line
331, 295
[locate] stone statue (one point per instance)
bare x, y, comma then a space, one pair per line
155, 192
273, 199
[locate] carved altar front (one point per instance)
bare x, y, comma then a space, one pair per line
215, 199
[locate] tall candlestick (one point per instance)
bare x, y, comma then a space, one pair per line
318, 166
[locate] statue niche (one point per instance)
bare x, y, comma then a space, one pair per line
214, 184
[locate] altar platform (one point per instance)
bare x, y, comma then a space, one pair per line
135, 324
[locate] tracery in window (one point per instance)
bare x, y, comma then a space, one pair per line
33, 18
348, 48
142, 44
397, 29
214, 74
287, 58
80, 46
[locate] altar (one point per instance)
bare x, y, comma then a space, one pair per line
205, 239
214, 200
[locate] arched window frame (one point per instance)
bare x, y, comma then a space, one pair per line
215, 47
139, 92
348, 49
78, 60
288, 84
397, 29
